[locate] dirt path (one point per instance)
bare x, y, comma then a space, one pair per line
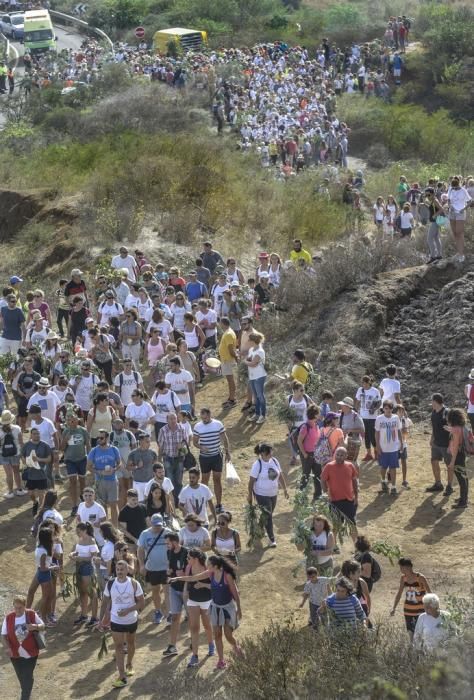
439, 540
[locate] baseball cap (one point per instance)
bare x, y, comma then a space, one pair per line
15, 279
156, 519
76, 272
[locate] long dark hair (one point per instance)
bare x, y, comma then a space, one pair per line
49, 501
86, 527
109, 532
45, 539
222, 563
197, 554
149, 500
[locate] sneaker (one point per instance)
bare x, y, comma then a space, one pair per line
119, 683
260, 420
252, 419
129, 671
448, 490
221, 665
34, 509
193, 661
246, 406
170, 650
92, 622
368, 457
383, 487
393, 491
212, 649
52, 618
158, 617
73, 512
437, 486
405, 484
10, 494
21, 492
272, 544
229, 404
459, 504
80, 620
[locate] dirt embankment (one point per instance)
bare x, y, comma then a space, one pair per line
419, 318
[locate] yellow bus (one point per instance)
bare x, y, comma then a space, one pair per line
185, 39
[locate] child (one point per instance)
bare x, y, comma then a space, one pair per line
325, 406
183, 419
161, 274
317, 589
407, 424
62, 314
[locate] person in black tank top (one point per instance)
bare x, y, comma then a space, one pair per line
199, 600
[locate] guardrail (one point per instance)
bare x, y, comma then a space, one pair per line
85, 27
9, 50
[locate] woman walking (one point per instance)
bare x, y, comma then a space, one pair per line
19, 635
457, 456
368, 402
100, 417
199, 601
44, 565
11, 444
265, 479
101, 354
130, 337
436, 209
323, 544
84, 552
225, 541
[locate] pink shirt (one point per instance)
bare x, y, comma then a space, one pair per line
310, 435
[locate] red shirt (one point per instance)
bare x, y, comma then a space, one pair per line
339, 478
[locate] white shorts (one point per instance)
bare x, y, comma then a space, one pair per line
204, 604
9, 346
227, 368
397, 72
140, 487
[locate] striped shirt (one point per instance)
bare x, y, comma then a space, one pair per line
209, 435
345, 610
414, 593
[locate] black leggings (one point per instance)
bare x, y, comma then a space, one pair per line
269, 503
106, 368
62, 315
463, 481
369, 425
310, 466
24, 669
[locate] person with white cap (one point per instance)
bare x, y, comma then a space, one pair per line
76, 286
47, 400
11, 443
469, 393
37, 330
153, 560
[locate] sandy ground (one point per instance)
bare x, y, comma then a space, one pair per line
425, 527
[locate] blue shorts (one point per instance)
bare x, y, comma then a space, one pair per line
389, 460
43, 576
176, 601
76, 468
85, 568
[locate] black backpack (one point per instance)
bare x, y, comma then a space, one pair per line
9, 446
376, 573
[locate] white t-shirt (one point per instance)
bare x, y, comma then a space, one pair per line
167, 485
178, 382
46, 430
259, 370
178, 314
266, 475
193, 539
406, 219
125, 384
128, 263
39, 552
458, 198
390, 387
217, 294
470, 404
431, 632
300, 409
123, 596
141, 414
21, 632
108, 311
131, 302
164, 404
53, 514
164, 328
48, 404
367, 398
94, 515
106, 554
195, 500
210, 317
388, 429
84, 390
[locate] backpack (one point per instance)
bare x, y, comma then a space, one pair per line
468, 442
135, 376
9, 447
322, 451
110, 583
376, 573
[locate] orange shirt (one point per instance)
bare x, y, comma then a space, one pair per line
339, 479
335, 437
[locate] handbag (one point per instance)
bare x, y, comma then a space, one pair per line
189, 459
442, 220
39, 636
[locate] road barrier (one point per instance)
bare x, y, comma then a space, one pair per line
81, 26
8, 52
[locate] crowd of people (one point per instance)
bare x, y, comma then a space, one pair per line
102, 389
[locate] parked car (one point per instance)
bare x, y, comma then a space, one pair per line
13, 26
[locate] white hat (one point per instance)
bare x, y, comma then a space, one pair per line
44, 381
76, 272
346, 401
52, 336
7, 418
263, 275
471, 374
213, 362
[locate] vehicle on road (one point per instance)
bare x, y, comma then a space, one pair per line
12, 25
183, 39
39, 32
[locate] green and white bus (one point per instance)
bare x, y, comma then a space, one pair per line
39, 32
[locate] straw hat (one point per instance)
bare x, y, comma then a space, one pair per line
213, 362
7, 418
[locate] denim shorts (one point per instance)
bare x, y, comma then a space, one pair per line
76, 468
85, 568
176, 601
43, 576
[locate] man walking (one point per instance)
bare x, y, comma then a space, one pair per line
439, 442
172, 443
103, 461
340, 480
388, 439
153, 560
208, 435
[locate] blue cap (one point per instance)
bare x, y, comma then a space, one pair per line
156, 519
15, 279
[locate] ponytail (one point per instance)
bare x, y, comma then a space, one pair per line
224, 564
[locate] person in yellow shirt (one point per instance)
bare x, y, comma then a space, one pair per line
301, 369
299, 253
228, 358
